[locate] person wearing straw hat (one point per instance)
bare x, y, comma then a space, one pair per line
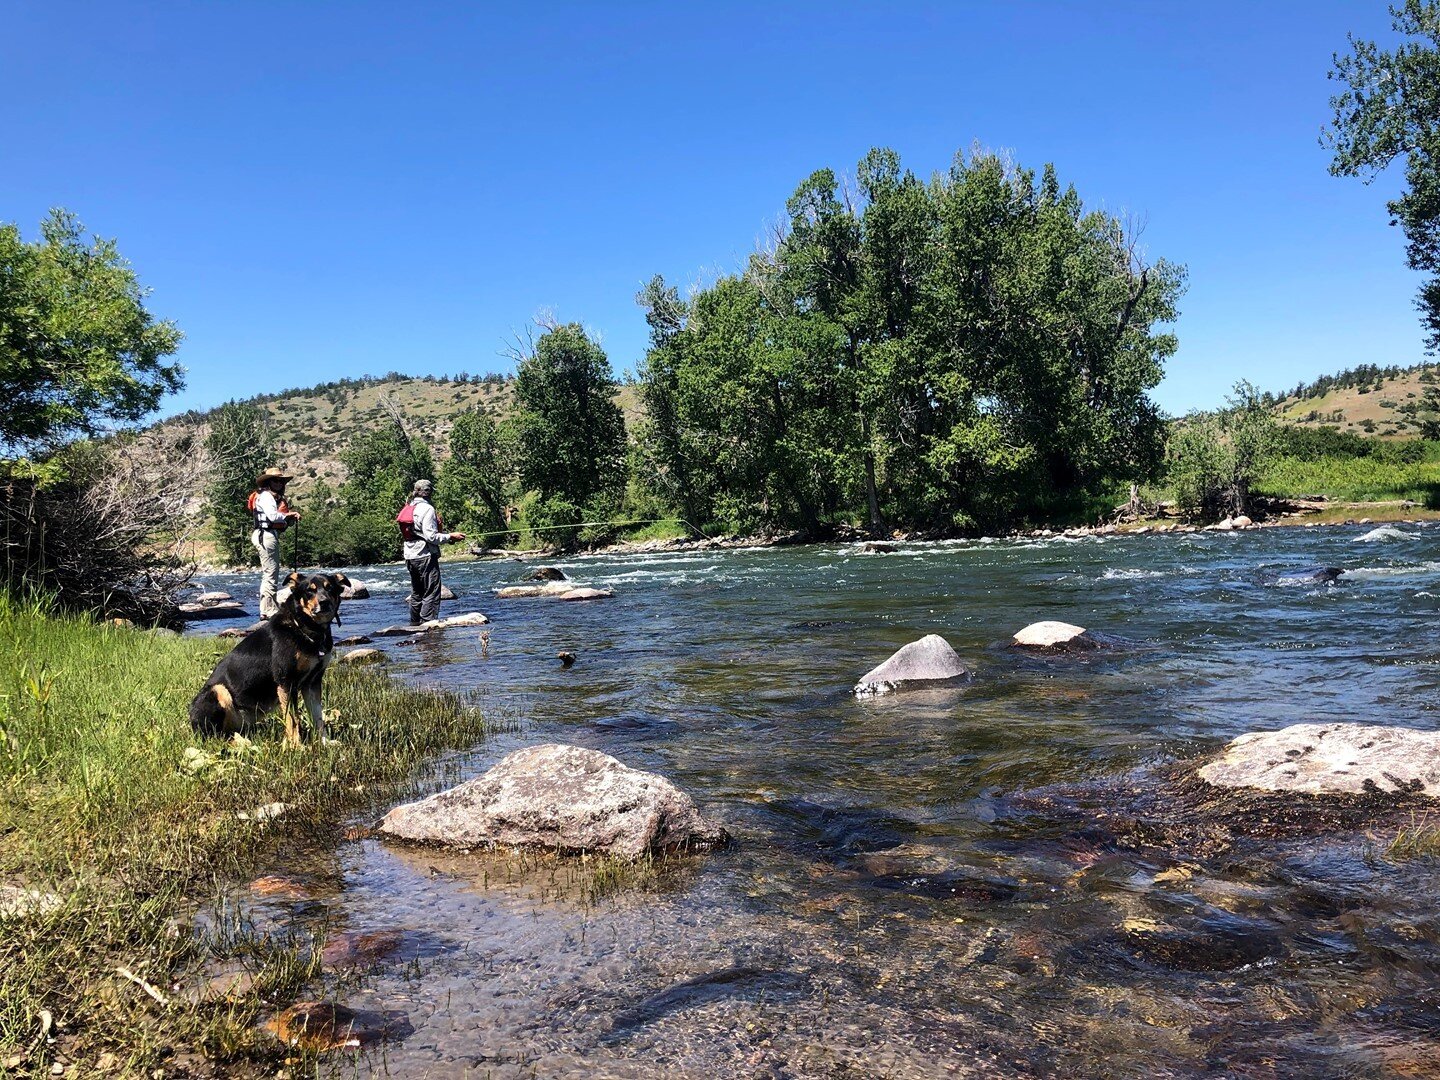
272, 517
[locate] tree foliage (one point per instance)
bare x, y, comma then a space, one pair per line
474, 485
78, 348
569, 431
1214, 458
239, 448
969, 351
1390, 109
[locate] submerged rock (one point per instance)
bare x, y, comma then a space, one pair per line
562, 798
586, 594
1213, 944
363, 656
927, 661
1054, 636
354, 639
1384, 532
1331, 759
399, 631
1313, 575
549, 588
359, 948
321, 1026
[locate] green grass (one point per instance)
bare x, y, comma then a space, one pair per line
100, 805
1360, 479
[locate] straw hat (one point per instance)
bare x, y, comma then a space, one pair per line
271, 474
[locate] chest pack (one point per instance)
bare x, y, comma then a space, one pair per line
405, 519
263, 523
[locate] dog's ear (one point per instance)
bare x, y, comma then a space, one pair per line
293, 579
340, 581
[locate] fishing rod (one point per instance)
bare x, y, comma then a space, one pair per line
591, 524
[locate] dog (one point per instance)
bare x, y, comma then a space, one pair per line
278, 666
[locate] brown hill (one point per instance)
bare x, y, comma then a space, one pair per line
311, 427
1384, 406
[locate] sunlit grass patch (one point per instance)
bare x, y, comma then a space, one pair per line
108, 803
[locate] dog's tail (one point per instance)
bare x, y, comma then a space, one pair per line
207, 715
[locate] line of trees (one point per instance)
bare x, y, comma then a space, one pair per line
969, 352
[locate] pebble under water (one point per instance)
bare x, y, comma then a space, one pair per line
1006, 878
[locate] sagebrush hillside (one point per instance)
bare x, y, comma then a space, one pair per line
1367, 400
312, 426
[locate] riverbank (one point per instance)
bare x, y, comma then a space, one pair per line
119, 830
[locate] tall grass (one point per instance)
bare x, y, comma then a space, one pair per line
1353, 479
104, 804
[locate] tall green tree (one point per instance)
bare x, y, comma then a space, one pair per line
1389, 109
473, 486
381, 468
971, 352
570, 432
239, 447
78, 348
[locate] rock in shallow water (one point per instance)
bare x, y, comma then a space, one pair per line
1331, 759
1054, 636
562, 798
927, 661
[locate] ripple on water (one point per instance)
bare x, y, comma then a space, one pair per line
895, 903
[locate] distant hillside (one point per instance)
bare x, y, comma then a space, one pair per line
1366, 400
312, 426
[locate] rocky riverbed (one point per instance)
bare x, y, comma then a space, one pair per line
1018, 872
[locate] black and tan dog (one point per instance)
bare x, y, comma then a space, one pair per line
278, 666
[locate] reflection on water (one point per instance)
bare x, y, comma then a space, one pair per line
979, 880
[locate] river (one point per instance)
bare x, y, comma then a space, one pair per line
957, 882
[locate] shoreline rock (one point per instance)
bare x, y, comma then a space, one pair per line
560, 798
1331, 759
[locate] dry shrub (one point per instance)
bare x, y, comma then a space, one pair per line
103, 526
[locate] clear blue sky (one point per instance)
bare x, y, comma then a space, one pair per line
315, 190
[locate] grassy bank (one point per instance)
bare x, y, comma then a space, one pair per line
104, 804
1354, 479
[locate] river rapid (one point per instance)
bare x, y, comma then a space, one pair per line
988, 880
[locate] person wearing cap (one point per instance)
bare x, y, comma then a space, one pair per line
272, 517
422, 554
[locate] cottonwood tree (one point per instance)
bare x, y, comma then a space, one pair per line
239, 448
1389, 110
569, 431
78, 348
969, 352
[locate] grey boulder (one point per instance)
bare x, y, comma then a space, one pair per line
1331, 759
561, 798
925, 662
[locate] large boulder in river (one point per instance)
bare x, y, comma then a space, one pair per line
356, 590
928, 661
446, 593
561, 798
1051, 636
1331, 759
546, 573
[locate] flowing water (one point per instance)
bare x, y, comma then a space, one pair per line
987, 880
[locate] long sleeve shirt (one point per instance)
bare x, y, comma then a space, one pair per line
428, 536
267, 505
